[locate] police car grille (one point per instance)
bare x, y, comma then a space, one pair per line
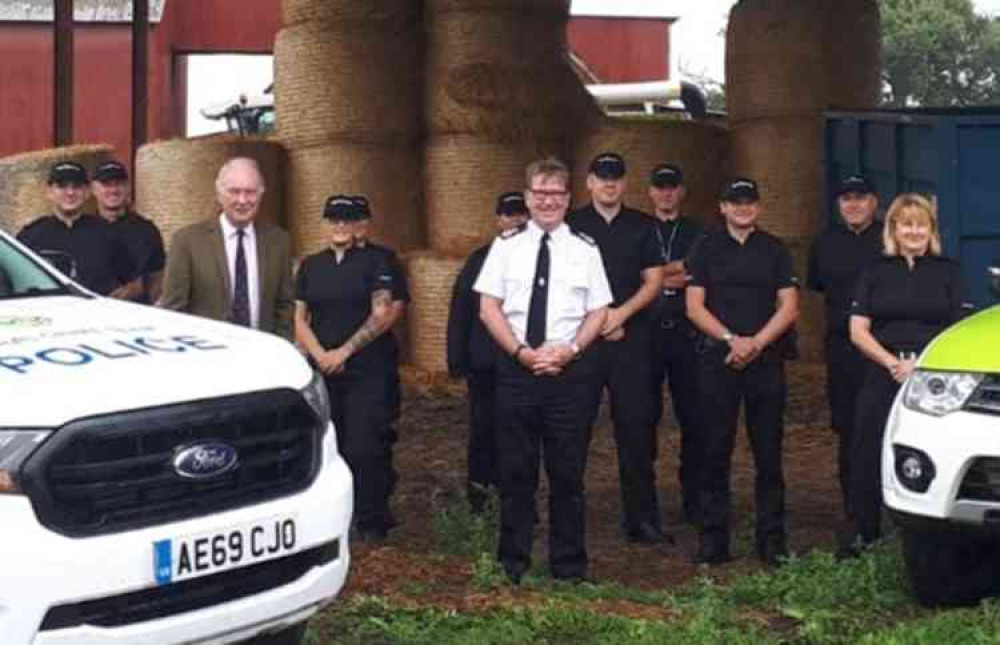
190, 595
982, 481
113, 473
986, 398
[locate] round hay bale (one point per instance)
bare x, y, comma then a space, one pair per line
812, 313
388, 174
786, 57
854, 55
463, 174
702, 150
503, 74
294, 12
175, 179
342, 82
432, 277
23, 177
785, 156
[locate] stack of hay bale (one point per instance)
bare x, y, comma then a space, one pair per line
23, 180
701, 149
175, 179
347, 95
500, 93
787, 61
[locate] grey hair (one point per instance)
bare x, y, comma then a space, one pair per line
239, 161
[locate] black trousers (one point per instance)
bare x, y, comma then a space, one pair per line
625, 368
873, 405
547, 416
482, 454
762, 389
362, 411
674, 360
845, 369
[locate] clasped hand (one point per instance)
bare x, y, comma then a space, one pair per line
743, 350
548, 360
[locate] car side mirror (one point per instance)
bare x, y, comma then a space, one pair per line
994, 273
61, 261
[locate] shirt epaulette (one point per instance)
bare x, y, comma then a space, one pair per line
583, 236
509, 233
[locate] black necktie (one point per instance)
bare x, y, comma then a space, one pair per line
539, 296
241, 287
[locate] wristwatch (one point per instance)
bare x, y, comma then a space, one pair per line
728, 336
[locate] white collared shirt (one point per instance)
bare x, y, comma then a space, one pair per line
578, 284
250, 251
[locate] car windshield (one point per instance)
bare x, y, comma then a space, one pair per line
21, 276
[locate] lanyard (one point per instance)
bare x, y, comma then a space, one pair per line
668, 248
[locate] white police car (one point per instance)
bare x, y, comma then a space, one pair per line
941, 463
163, 478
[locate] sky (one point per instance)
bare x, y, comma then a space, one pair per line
698, 48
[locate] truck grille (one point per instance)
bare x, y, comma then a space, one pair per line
115, 472
986, 398
982, 481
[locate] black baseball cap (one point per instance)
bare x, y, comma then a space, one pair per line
608, 165
741, 188
856, 184
666, 174
110, 171
363, 207
341, 208
511, 203
67, 172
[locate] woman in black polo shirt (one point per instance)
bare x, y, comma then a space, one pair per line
343, 303
902, 301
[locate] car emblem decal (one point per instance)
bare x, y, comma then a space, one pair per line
205, 460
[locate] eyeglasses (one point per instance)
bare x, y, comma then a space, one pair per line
542, 195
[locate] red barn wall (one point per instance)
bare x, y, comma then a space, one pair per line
622, 50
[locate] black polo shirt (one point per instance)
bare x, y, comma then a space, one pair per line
742, 281
339, 298
908, 307
103, 262
400, 285
628, 246
836, 260
676, 239
145, 245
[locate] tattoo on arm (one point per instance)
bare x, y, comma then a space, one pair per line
374, 326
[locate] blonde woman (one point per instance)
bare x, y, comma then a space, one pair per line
902, 301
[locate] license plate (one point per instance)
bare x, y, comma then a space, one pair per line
203, 554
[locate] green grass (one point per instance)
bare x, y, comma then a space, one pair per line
459, 531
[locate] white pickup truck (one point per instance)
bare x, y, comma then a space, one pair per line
163, 478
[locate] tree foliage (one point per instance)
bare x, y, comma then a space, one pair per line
939, 53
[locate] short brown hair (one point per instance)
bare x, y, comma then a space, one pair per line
904, 206
547, 167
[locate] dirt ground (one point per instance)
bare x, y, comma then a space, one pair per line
430, 459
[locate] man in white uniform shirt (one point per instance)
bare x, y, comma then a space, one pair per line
233, 267
544, 297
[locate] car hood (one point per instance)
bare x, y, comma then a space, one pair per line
972, 345
64, 358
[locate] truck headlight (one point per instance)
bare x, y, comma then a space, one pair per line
15, 447
316, 395
939, 393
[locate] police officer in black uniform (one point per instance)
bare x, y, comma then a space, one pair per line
673, 335
544, 297
836, 260
473, 354
901, 302
102, 261
342, 313
633, 260
112, 192
743, 297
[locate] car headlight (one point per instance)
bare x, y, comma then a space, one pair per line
939, 393
15, 447
316, 395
